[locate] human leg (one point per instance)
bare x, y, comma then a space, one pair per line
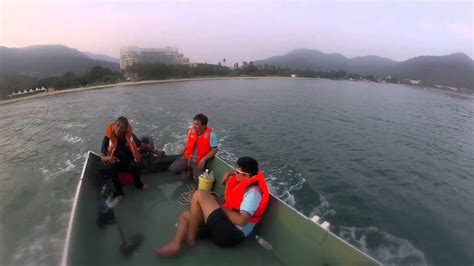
179, 165
202, 205
173, 247
222, 231
134, 168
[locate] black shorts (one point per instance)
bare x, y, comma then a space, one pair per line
221, 230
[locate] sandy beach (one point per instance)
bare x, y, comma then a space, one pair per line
44, 94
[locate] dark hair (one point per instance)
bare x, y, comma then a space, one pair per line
123, 120
202, 118
248, 165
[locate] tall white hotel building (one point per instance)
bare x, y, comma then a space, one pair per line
134, 55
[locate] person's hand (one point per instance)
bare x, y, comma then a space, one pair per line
201, 164
109, 159
159, 153
226, 177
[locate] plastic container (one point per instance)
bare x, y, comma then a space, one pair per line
206, 181
262, 242
211, 176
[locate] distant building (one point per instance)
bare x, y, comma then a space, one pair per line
129, 56
134, 55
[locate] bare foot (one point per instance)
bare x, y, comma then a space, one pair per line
168, 250
146, 187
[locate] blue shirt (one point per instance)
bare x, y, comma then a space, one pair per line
252, 198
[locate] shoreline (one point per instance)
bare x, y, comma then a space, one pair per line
121, 84
158, 81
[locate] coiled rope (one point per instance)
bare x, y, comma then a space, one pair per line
186, 197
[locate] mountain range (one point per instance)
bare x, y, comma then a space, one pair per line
455, 70
50, 60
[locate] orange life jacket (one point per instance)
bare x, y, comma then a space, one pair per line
112, 148
203, 143
235, 190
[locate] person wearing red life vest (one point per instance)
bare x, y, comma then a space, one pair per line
201, 146
246, 199
121, 153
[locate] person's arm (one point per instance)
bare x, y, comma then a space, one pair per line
226, 177
237, 218
248, 207
207, 157
104, 157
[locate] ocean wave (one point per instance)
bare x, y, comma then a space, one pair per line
73, 125
284, 182
227, 156
387, 248
39, 248
173, 147
323, 209
72, 139
51, 174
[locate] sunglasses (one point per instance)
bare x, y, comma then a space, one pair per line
238, 172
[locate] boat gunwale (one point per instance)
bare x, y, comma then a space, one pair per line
73, 212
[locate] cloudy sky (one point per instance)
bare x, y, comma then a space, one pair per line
207, 31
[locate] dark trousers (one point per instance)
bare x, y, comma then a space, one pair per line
113, 170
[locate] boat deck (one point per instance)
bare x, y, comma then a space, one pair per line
153, 214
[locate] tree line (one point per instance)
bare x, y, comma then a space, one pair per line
163, 71
94, 76
100, 75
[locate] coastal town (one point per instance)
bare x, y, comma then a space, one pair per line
141, 64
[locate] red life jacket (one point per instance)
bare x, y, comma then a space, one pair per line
112, 149
203, 144
234, 194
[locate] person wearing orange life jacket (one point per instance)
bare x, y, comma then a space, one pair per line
246, 199
201, 146
121, 153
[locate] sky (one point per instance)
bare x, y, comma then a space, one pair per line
208, 31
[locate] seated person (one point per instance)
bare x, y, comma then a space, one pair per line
201, 146
120, 153
246, 198
153, 160
150, 146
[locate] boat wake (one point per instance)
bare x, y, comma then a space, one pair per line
40, 248
322, 210
283, 181
74, 125
69, 138
66, 166
387, 248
